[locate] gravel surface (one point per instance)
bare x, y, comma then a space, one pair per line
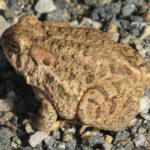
128, 20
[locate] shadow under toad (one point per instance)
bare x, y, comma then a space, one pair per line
12, 82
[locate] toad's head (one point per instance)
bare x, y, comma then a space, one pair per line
18, 40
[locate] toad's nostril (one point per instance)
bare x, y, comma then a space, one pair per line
15, 48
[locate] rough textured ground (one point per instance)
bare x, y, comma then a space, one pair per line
128, 21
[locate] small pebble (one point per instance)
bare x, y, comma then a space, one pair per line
9, 13
107, 146
67, 136
90, 23
29, 128
96, 139
98, 2
37, 138
44, 6
139, 140
146, 32
5, 135
27, 148
6, 105
113, 30
49, 141
144, 104
57, 15
12, 4
122, 135
8, 116
16, 140
14, 145
108, 139
129, 145
60, 145
141, 130
135, 2
71, 145
146, 116
116, 7
90, 2
3, 5
103, 2
56, 134
127, 10
3, 25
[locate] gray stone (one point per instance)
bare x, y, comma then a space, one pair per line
71, 145
9, 13
38, 147
122, 135
127, 10
2, 5
146, 33
116, 7
3, 25
96, 139
37, 138
56, 134
90, 23
28, 128
27, 148
44, 6
6, 104
84, 147
144, 104
134, 130
90, 2
107, 146
6, 117
135, 2
5, 135
12, 4
50, 148
99, 2
129, 146
58, 15
141, 130
60, 145
49, 141
139, 139
68, 134
146, 116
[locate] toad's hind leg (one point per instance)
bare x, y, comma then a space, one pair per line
88, 110
98, 109
46, 118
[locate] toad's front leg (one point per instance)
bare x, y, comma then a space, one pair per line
46, 119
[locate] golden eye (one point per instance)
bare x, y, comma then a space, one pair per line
15, 48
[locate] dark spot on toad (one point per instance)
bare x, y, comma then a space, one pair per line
71, 76
46, 61
49, 78
92, 101
90, 78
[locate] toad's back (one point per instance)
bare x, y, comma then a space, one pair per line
84, 59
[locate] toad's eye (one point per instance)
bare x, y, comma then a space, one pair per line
15, 48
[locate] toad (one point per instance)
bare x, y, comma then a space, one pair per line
77, 73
